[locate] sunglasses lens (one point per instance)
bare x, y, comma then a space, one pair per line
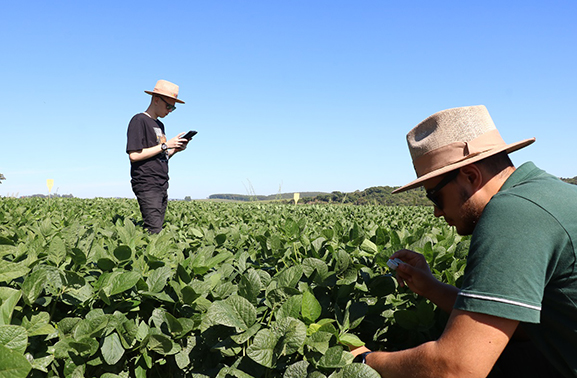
435, 202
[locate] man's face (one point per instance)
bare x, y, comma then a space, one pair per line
458, 205
164, 106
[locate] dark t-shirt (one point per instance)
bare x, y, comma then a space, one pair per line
152, 173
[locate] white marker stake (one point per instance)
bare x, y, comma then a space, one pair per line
296, 197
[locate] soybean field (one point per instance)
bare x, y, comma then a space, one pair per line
225, 290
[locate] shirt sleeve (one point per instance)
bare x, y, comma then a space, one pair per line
135, 135
509, 259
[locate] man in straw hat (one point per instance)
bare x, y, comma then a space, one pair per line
521, 274
149, 151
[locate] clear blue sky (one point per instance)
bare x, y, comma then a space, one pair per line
288, 96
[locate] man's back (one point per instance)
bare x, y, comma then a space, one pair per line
521, 263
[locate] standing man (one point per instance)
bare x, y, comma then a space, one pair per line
149, 152
521, 274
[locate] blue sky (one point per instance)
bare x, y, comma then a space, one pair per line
286, 96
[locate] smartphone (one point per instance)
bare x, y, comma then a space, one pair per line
189, 135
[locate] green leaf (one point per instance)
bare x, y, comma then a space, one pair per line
174, 326
10, 271
57, 250
319, 341
78, 256
289, 277
8, 300
407, 319
335, 357
311, 308
123, 252
369, 246
235, 312
359, 371
112, 350
350, 339
290, 308
13, 364
250, 285
14, 337
42, 363
262, 348
245, 336
157, 279
196, 232
33, 286
84, 347
119, 282
291, 333
163, 345
38, 324
106, 264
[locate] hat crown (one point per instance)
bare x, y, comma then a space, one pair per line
453, 138
167, 89
449, 126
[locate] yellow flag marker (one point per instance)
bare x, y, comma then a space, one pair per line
49, 184
296, 197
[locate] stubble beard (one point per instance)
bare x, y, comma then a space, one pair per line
470, 214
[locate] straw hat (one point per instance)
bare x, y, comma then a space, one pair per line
166, 89
453, 138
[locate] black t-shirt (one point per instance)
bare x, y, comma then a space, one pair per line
152, 173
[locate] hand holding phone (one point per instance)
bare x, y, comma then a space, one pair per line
189, 135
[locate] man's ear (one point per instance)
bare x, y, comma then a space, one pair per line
473, 176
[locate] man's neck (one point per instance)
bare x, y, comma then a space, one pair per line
493, 186
151, 113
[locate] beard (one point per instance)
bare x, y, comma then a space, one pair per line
470, 213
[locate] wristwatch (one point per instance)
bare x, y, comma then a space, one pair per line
361, 358
163, 147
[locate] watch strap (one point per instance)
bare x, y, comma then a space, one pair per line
362, 358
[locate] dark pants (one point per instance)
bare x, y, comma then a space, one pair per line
523, 359
153, 207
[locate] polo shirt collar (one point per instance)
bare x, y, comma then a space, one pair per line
523, 173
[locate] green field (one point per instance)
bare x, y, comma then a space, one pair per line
226, 290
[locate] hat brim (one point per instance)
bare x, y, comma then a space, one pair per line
164, 95
461, 163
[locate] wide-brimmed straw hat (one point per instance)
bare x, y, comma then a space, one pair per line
453, 138
166, 89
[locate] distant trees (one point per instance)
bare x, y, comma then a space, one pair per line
377, 195
570, 180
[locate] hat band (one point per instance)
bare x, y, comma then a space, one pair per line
457, 151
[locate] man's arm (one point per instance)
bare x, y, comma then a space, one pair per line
145, 153
468, 348
175, 145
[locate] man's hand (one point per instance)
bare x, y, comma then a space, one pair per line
179, 144
415, 273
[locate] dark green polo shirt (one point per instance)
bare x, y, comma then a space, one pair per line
522, 262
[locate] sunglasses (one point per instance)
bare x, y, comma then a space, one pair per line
169, 107
433, 194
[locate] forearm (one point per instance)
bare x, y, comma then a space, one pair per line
468, 348
443, 295
423, 361
145, 153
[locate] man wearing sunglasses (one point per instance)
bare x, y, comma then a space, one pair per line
149, 151
521, 274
